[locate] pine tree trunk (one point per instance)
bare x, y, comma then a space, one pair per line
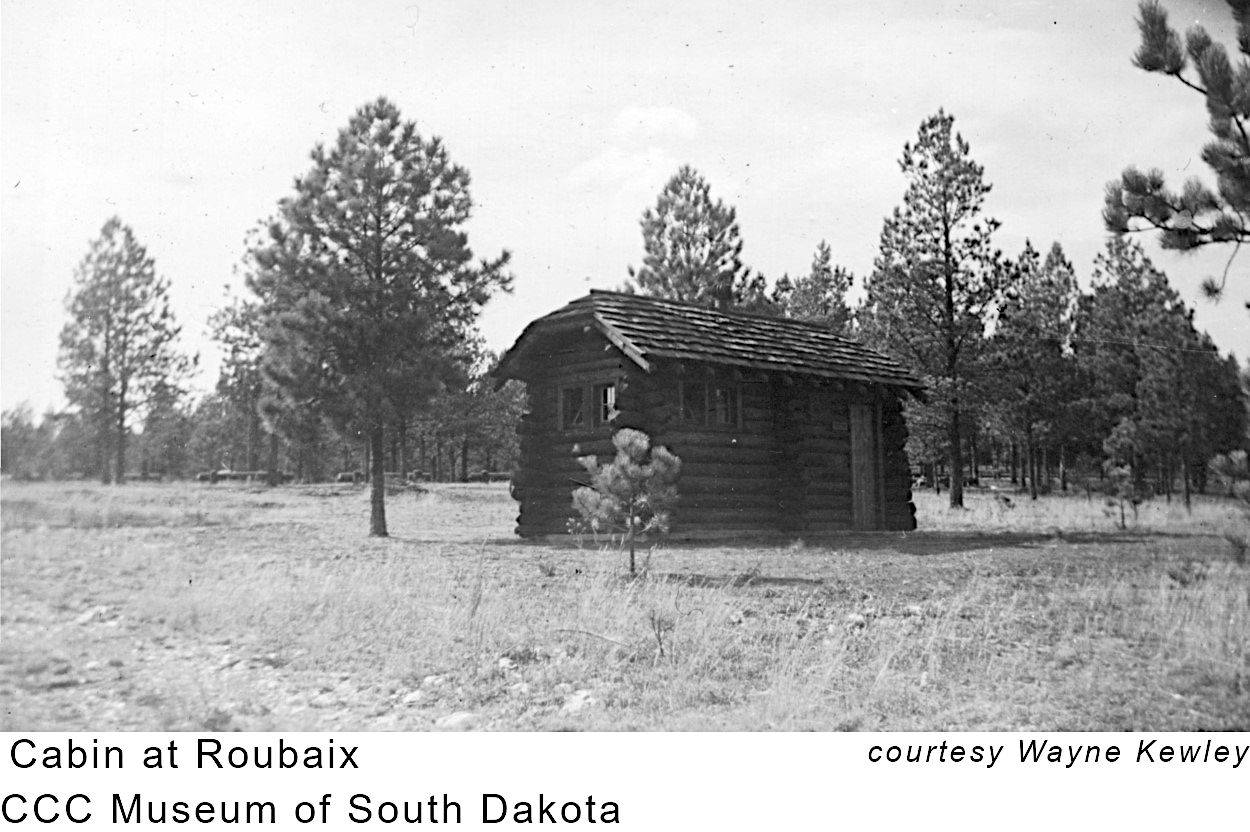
956, 459
403, 452
104, 447
464, 460
272, 478
377, 493
1031, 456
1063, 468
976, 452
1015, 462
120, 475
1185, 477
253, 442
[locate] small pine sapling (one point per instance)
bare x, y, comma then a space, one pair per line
633, 494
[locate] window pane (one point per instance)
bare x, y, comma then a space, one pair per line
574, 412
725, 406
693, 402
605, 403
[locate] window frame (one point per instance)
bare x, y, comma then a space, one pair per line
686, 413
564, 389
598, 405
733, 402
708, 413
592, 404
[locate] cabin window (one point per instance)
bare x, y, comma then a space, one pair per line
572, 408
724, 406
605, 403
711, 405
694, 402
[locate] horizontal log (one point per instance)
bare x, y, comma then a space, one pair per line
726, 439
810, 444
704, 517
681, 526
692, 454
829, 487
547, 485
730, 471
558, 363
828, 514
757, 413
547, 494
599, 446
692, 483
563, 443
532, 512
818, 528
726, 500
824, 462
527, 482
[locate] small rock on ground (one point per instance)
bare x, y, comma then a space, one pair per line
577, 700
460, 719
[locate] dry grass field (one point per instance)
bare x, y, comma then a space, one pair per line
235, 607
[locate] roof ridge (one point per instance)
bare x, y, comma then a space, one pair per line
731, 313
667, 328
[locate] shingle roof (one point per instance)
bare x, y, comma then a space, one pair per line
646, 327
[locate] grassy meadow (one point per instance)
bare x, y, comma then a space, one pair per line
190, 606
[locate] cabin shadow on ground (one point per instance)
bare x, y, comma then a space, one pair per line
933, 543
920, 543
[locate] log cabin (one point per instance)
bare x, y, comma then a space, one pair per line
782, 426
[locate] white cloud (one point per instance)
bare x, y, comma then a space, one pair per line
625, 170
649, 125
640, 149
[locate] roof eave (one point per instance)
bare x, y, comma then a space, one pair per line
567, 318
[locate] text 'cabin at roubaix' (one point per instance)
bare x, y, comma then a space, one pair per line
781, 426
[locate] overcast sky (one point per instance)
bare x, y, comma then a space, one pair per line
190, 120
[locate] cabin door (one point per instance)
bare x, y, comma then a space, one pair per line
865, 467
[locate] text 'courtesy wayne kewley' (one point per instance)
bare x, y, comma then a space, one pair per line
1044, 752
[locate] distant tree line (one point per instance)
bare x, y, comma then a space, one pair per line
1028, 376
354, 347
465, 434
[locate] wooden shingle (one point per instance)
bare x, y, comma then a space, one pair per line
645, 328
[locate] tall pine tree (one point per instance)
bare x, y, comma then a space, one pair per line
1159, 398
366, 277
119, 348
693, 249
1196, 215
1028, 374
937, 277
820, 295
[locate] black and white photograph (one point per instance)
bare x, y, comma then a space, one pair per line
427, 366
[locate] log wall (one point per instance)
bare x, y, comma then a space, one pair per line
784, 467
